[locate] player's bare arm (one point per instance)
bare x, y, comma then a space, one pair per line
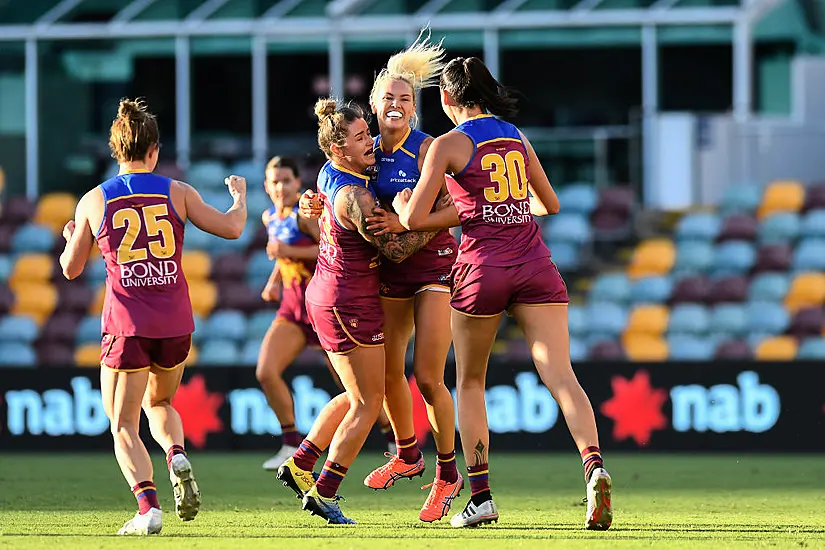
443, 155
359, 204
229, 224
79, 236
543, 201
422, 152
310, 226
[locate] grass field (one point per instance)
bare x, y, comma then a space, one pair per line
730, 501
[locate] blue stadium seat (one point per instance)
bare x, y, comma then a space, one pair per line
96, 271
577, 321
251, 170
781, 227
693, 257
6, 266
18, 328
809, 256
259, 323
242, 243
206, 174
605, 318
17, 354
250, 352
733, 258
200, 330
221, 200
690, 348
812, 349
728, 321
580, 198
651, 290
89, 331
219, 352
196, 239
742, 198
611, 287
689, 318
259, 268
578, 350
33, 238
701, 226
257, 201
813, 224
571, 228
227, 323
566, 255
766, 318
769, 287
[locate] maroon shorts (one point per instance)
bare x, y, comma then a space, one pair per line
342, 329
484, 290
428, 269
289, 316
134, 353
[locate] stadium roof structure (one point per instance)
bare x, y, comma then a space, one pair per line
334, 21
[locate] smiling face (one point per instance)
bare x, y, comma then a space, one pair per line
282, 186
357, 150
394, 105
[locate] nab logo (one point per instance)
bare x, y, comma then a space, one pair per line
636, 407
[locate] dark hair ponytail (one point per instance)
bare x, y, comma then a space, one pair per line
470, 84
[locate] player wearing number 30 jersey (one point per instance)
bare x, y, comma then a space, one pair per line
138, 220
502, 265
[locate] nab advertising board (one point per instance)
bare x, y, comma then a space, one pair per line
671, 406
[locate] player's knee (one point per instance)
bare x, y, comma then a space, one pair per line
266, 375
150, 401
429, 387
367, 406
123, 430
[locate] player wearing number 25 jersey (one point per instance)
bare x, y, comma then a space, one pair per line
502, 259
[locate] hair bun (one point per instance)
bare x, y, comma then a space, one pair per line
129, 108
325, 108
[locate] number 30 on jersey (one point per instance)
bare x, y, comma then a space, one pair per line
508, 173
133, 221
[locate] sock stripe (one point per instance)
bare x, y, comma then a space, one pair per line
476, 474
334, 472
406, 443
144, 492
310, 447
445, 460
285, 428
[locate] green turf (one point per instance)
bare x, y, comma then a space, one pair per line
730, 501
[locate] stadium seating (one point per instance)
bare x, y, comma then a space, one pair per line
743, 280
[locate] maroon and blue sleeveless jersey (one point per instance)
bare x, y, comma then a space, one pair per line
294, 273
141, 241
491, 197
396, 171
347, 269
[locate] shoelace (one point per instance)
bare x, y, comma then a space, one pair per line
388, 466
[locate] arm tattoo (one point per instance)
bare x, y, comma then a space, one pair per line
479, 454
396, 247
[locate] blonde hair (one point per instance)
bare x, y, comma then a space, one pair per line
420, 66
333, 122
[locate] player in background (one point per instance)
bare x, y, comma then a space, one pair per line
503, 265
293, 243
138, 219
344, 308
415, 292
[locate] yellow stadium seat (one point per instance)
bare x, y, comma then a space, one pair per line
807, 290
643, 347
37, 300
782, 196
196, 265
776, 348
649, 319
54, 210
87, 355
96, 307
204, 296
652, 257
32, 268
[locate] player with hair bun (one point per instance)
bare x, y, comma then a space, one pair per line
138, 220
344, 309
502, 265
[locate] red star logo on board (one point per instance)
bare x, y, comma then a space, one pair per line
421, 421
198, 410
635, 408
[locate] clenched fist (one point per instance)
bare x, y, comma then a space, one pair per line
68, 230
310, 204
236, 186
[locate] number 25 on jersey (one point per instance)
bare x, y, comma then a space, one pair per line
134, 220
508, 173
